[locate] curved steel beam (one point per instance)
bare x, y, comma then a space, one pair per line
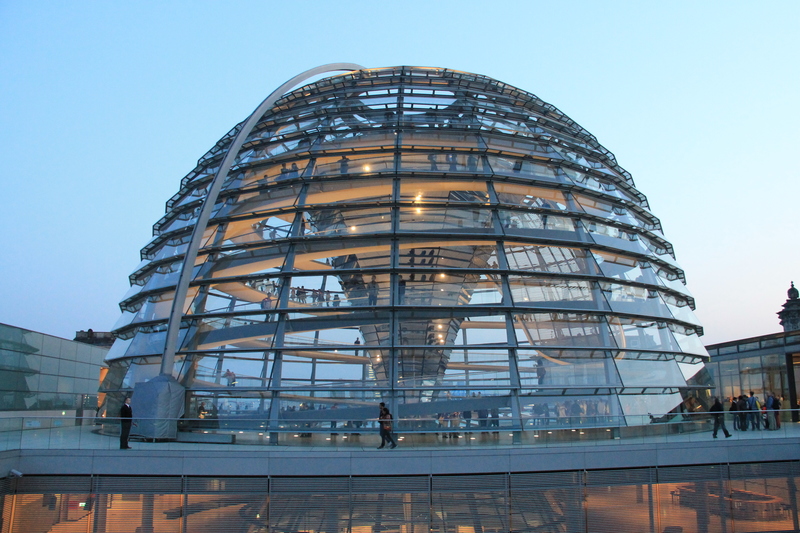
182, 287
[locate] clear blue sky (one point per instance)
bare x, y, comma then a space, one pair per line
105, 106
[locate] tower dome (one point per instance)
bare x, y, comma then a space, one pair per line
433, 239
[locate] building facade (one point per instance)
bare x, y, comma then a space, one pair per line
764, 364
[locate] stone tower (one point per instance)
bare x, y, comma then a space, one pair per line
790, 314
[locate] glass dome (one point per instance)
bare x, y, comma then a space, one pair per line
433, 239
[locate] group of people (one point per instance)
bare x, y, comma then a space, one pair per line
748, 413
301, 295
451, 159
484, 419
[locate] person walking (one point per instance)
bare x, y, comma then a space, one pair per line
385, 420
125, 420
719, 418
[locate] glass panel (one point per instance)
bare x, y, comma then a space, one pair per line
622, 267
634, 300
640, 405
535, 197
670, 279
450, 191
240, 369
263, 229
486, 290
169, 248
165, 276
411, 139
689, 370
140, 371
241, 261
354, 164
418, 219
264, 175
338, 368
548, 259
566, 368
244, 331
440, 263
608, 210
147, 343
439, 161
647, 372
328, 192
688, 340
434, 289
257, 202
356, 140
556, 411
527, 291
680, 308
518, 144
330, 222
631, 333
520, 222
523, 166
561, 329
156, 307
477, 368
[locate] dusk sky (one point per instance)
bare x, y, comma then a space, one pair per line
105, 106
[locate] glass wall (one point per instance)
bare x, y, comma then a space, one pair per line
762, 365
45, 373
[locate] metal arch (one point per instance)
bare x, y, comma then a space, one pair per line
182, 287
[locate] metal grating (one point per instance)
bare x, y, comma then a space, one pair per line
54, 485
308, 512
765, 470
122, 513
390, 484
678, 474
8, 506
631, 476
6, 486
310, 485
545, 480
137, 485
38, 516
223, 513
390, 511
470, 483
202, 485
623, 501
482, 511
547, 509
